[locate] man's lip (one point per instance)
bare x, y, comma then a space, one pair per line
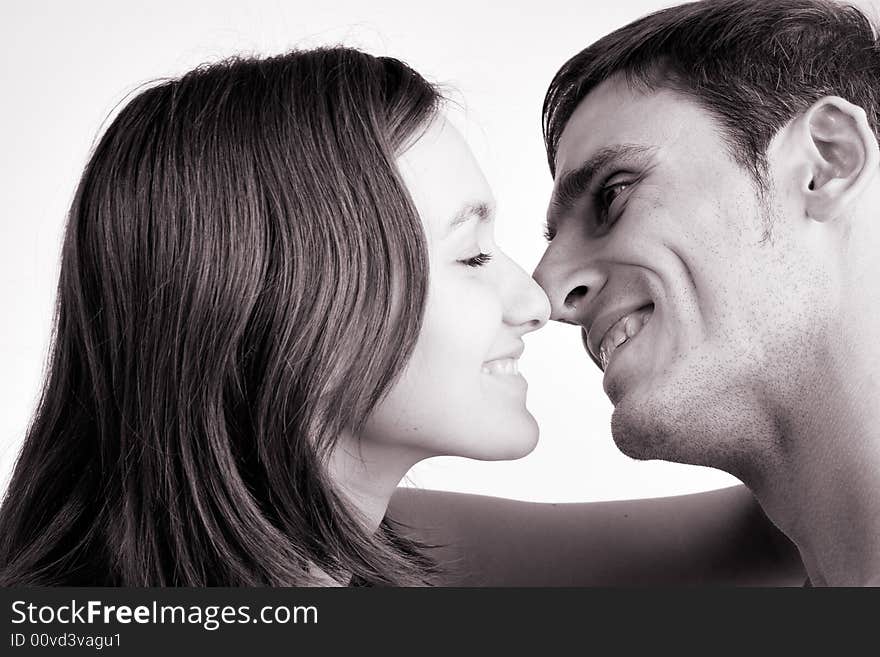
595, 333
587, 348
514, 352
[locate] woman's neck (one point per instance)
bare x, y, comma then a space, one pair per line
367, 474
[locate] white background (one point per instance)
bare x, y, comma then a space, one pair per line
65, 66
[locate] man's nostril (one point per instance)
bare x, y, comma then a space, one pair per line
573, 297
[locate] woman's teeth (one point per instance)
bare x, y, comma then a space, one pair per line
626, 328
508, 366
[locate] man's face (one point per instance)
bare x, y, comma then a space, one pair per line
697, 298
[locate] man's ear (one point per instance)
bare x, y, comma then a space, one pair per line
842, 155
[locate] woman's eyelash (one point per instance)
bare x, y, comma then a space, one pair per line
478, 260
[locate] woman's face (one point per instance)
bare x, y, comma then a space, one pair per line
460, 393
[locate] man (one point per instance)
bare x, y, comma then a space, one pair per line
714, 231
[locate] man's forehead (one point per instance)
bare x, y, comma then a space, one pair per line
615, 113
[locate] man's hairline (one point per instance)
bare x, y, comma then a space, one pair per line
757, 170
650, 84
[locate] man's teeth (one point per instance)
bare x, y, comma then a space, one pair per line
626, 328
508, 366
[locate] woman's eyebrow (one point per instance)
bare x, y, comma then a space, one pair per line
480, 210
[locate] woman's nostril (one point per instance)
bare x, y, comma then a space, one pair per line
573, 297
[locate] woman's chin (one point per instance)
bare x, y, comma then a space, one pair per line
507, 441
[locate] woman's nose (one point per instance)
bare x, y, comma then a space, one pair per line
526, 304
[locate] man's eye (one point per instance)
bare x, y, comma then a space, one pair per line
605, 197
611, 192
478, 260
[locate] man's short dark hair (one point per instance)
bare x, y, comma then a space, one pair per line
753, 64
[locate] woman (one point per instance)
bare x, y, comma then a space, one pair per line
249, 352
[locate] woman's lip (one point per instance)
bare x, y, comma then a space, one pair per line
514, 353
500, 358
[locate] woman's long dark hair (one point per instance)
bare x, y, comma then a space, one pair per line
243, 277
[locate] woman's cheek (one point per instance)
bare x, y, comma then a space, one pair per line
466, 319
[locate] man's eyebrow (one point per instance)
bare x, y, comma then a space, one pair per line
573, 184
481, 210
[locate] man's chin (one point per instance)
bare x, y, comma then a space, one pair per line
684, 421
633, 434
646, 426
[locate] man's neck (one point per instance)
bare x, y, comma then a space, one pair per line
825, 494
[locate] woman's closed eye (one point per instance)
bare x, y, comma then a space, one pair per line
478, 260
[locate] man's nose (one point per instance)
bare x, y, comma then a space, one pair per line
569, 281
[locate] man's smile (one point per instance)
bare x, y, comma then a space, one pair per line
615, 328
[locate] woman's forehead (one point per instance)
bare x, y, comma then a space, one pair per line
442, 177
